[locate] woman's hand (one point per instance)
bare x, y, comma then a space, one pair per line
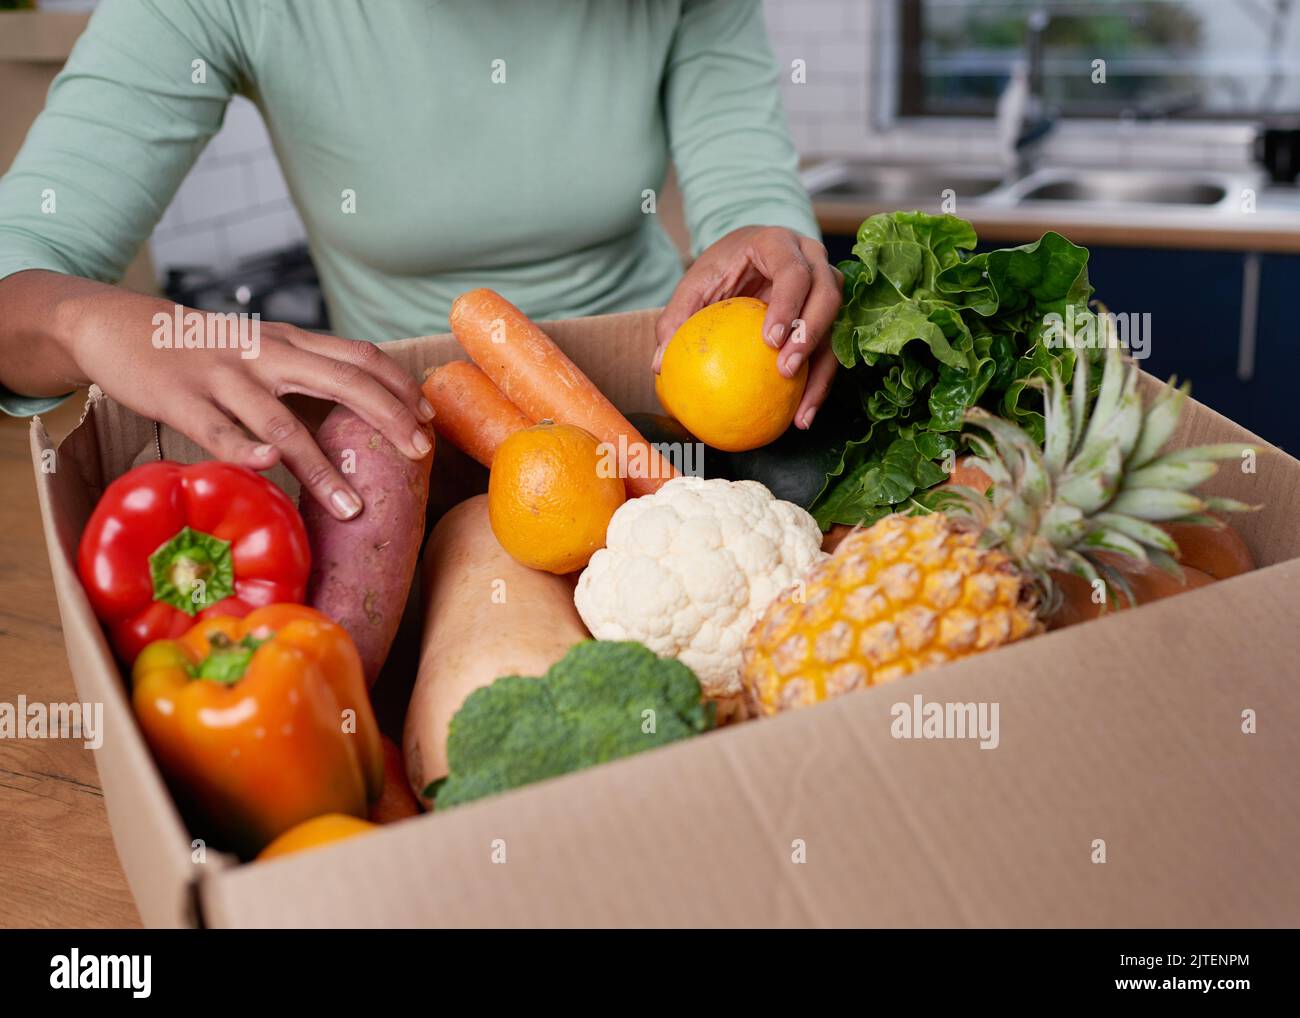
802, 290
94, 332
207, 394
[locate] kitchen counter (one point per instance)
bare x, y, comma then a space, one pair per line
1265, 231
1004, 216
60, 866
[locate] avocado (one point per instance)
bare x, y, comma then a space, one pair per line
794, 467
682, 449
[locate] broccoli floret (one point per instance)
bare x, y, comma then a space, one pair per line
603, 700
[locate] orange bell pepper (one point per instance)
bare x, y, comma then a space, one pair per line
318, 831
260, 722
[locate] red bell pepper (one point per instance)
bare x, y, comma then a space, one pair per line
168, 544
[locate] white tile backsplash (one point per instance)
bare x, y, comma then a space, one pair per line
264, 179
830, 112
200, 247
233, 203
266, 231
213, 194
848, 58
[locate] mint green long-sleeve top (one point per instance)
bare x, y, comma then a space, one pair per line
431, 146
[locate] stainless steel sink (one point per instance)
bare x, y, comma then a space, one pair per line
1107, 187
899, 186
927, 186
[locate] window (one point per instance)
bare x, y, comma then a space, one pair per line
1198, 59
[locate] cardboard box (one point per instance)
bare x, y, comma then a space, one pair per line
1126, 730
34, 45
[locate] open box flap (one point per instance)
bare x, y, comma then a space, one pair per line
151, 839
1127, 730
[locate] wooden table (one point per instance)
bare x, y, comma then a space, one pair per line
58, 866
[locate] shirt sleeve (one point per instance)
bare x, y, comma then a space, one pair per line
145, 88
727, 132
25, 406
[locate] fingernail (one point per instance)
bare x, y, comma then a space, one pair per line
775, 334
421, 442
426, 410
263, 451
807, 418
792, 365
346, 503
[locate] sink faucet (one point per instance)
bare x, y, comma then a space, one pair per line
1023, 120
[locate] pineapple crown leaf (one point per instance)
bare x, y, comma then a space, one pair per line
1099, 482
1167, 563
1180, 476
1103, 539
1158, 428
1059, 427
1228, 505
1117, 584
1139, 530
1222, 451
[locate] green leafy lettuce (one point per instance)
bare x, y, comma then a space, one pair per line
929, 328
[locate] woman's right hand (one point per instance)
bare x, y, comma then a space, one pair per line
207, 394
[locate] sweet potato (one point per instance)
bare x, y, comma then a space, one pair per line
1148, 583
1216, 550
485, 616
395, 802
362, 568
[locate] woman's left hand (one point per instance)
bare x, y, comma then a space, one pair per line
802, 290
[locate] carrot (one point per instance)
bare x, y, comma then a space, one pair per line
537, 377
469, 411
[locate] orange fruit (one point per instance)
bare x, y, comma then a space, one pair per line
551, 493
315, 832
719, 378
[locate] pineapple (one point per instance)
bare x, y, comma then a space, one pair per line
919, 590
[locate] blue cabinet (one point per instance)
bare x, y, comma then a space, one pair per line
1275, 386
1196, 302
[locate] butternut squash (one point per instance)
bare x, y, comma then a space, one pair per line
485, 616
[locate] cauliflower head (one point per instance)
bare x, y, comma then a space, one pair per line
688, 570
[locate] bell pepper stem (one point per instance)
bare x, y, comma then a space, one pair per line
192, 571
227, 660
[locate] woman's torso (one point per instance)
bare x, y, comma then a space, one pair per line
437, 145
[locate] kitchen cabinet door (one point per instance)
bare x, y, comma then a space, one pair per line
1194, 299
1275, 414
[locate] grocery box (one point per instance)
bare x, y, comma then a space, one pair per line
1145, 771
